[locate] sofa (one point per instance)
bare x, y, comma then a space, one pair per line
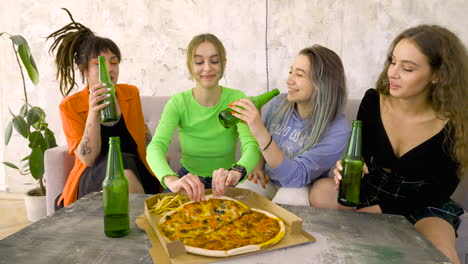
58, 164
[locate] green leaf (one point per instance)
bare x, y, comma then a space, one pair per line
35, 114
8, 131
28, 62
11, 165
24, 110
36, 140
37, 126
2, 33
25, 158
36, 163
50, 138
11, 113
21, 126
18, 40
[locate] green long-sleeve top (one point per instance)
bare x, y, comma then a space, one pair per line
205, 144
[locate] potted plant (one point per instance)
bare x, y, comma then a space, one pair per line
30, 123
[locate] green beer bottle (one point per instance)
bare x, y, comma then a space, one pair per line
353, 164
109, 113
115, 193
228, 120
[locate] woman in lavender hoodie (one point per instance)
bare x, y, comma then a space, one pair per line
301, 134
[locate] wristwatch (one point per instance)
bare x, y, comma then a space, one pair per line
240, 169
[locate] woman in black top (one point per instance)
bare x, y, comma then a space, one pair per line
414, 136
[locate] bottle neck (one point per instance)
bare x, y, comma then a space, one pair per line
115, 167
354, 145
103, 72
262, 99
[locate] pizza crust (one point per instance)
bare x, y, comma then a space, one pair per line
279, 235
222, 253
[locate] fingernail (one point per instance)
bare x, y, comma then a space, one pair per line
256, 181
108, 89
107, 95
250, 179
267, 181
230, 105
232, 112
263, 186
103, 83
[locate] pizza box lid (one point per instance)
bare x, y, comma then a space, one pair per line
174, 252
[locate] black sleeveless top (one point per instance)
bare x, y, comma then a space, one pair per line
127, 144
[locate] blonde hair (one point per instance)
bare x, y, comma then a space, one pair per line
328, 98
448, 94
199, 39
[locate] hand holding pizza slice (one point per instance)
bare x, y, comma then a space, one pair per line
189, 185
222, 179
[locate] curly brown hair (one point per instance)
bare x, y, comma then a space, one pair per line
448, 59
77, 44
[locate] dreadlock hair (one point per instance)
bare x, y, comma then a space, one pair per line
76, 43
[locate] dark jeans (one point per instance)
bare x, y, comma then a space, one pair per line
183, 171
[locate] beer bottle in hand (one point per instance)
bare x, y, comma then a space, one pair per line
228, 120
353, 165
109, 113
115, 193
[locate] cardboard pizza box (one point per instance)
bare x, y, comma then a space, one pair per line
174, 252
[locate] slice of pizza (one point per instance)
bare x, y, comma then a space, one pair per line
193, 219
253, 231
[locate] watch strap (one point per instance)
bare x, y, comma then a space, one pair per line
240, 169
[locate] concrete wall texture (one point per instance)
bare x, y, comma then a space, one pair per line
153, 36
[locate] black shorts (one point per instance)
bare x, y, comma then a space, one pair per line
91, 179
375, 189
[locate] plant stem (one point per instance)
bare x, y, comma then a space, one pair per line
41, 187
21, 70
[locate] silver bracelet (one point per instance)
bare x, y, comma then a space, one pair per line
269, 143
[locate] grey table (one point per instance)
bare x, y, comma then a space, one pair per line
75, 235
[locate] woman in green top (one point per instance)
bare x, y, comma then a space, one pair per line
208, 150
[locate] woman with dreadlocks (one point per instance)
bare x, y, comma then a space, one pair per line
87, 138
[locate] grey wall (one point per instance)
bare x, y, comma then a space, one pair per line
153, 36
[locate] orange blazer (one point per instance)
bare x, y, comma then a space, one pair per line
74, 111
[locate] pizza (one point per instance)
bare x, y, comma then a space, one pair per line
221, 227
195, 218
